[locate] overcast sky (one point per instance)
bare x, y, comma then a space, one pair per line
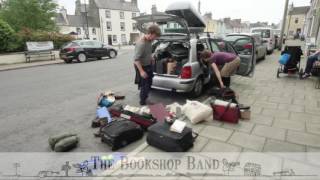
247, 10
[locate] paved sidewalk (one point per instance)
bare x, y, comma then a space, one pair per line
27, 65
285, 115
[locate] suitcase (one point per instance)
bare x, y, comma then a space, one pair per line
160, 136
144, 121
120, 133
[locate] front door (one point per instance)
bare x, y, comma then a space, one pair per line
110, 40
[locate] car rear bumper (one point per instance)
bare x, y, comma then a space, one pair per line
67, 56
172, 84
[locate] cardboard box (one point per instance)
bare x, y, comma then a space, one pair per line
245, 114
171, 67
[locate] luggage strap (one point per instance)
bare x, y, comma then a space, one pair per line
195, 135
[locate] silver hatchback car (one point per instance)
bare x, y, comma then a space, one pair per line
178, 67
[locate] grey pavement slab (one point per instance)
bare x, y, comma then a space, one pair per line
292, 108
290, 124
305, 117
217, 133
269, 132
247, 141
313, 128
275, 113
303, 138
216, 146
243, 126
281, 146
260, 119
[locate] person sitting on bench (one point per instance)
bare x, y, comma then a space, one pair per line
311, 60
228, 61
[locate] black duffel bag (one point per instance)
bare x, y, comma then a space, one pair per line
160, 136
120, 133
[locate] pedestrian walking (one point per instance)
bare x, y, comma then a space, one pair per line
144, 62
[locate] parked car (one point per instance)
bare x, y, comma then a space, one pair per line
82, 50
179, 46
242, 44
267, 35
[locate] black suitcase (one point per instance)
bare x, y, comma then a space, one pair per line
120, 133
160, 136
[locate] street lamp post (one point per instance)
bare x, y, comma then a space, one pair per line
87, 23
284, 19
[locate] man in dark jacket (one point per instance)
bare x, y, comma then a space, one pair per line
144, 61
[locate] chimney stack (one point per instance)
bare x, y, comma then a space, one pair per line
64, 13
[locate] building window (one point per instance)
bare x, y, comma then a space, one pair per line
121, 15
296, 20
94, 32
134, 26
123, 39
122, 26
114, 38
109, 27
79, 31
134, 15
108, 14
175, 25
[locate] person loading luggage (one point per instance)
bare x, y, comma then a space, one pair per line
143, 62
227, 62
311, 60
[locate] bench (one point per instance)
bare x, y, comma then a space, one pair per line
39, 50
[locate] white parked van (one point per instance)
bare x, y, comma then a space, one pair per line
267, 35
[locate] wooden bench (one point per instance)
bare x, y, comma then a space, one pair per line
38, 50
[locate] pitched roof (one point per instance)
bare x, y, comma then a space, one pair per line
116, 5
299, 10
76, 21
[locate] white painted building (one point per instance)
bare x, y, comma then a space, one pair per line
109, 21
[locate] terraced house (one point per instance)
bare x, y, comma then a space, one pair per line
109, 21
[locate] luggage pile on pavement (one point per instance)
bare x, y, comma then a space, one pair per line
166, 127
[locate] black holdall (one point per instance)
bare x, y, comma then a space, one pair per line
160, 136
120, 133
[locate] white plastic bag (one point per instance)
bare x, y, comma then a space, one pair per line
196, 111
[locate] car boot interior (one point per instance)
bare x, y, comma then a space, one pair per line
170, 57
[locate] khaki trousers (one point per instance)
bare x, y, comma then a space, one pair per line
230, 68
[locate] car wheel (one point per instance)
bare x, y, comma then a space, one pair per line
112, 54
82, 57
198, 87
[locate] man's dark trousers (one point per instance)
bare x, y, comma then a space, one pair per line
145, 84
310, 63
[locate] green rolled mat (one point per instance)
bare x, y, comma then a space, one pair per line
66, 144
55, 139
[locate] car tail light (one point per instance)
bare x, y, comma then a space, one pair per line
247, 46
186, 72
71, 49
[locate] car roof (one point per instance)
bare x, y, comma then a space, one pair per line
246, 34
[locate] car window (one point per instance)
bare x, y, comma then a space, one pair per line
243, 45
97, 43
257, 40
265, 33
214, 46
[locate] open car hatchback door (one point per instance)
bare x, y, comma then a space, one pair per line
245, 47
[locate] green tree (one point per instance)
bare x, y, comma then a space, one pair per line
32, 14
6, 36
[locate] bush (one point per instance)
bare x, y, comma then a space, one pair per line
26, 35
6, 36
